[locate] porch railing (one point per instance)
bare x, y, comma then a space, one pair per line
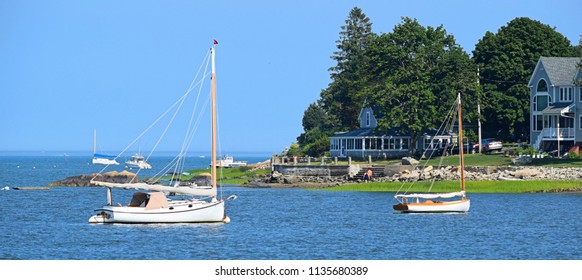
562, 133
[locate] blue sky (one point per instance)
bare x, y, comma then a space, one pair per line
69, 67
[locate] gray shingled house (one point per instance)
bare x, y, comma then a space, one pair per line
556, 104
367, 141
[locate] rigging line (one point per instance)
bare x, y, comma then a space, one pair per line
190, 131
190, 136
181, 157
452, 123
431, 140
154, 123
448, 115
169, 124
149, 127
219, 147
182, 102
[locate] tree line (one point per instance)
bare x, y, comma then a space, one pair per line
411, 76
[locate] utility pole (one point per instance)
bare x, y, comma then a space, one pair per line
479, 110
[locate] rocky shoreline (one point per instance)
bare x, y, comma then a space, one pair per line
448, 173
84, 180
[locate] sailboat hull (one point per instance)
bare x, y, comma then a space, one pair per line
106, 161
184, 211
429, 206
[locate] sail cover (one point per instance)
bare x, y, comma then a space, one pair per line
430, 195
195, 190
104, 156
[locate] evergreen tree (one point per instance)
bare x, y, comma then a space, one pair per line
339, 104
343, 99
415, 73
506, 61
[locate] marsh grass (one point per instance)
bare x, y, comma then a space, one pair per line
471, 186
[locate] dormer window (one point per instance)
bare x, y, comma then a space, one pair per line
565, 94
367, 119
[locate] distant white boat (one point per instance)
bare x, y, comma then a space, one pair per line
138, 161
229, 162
101, 158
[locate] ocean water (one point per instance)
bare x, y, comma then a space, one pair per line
277, 224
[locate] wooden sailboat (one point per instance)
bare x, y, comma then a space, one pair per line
199, 204
439, 202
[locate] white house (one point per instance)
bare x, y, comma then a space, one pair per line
556, 104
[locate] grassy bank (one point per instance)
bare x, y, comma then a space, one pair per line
500, 160
471, 187
229, 176
241, 175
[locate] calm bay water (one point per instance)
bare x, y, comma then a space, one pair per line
277, 224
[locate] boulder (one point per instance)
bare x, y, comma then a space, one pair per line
524, 173
409, 161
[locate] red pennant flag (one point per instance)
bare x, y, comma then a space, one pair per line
215, 42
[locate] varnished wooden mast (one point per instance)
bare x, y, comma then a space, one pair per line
213, 117
461, 144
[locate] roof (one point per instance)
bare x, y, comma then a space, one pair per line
558, 108
370, 132
561, 70
360, 132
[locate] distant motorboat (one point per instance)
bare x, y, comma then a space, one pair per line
229, 162
138, 161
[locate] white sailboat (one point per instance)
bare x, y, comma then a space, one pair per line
439, 202
101, 158
152, 205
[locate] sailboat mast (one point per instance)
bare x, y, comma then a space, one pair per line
461, 145
213, 118
94, 141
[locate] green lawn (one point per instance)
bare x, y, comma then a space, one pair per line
241, 175
471, 186
500, 160
470, 160
230, 176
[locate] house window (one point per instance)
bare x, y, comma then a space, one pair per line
542, 86
367, 119
405, 143
350, 144
538, 123
335, 144
398, 144
580, 122
566, 94
373, 143
540, 102
358, 144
